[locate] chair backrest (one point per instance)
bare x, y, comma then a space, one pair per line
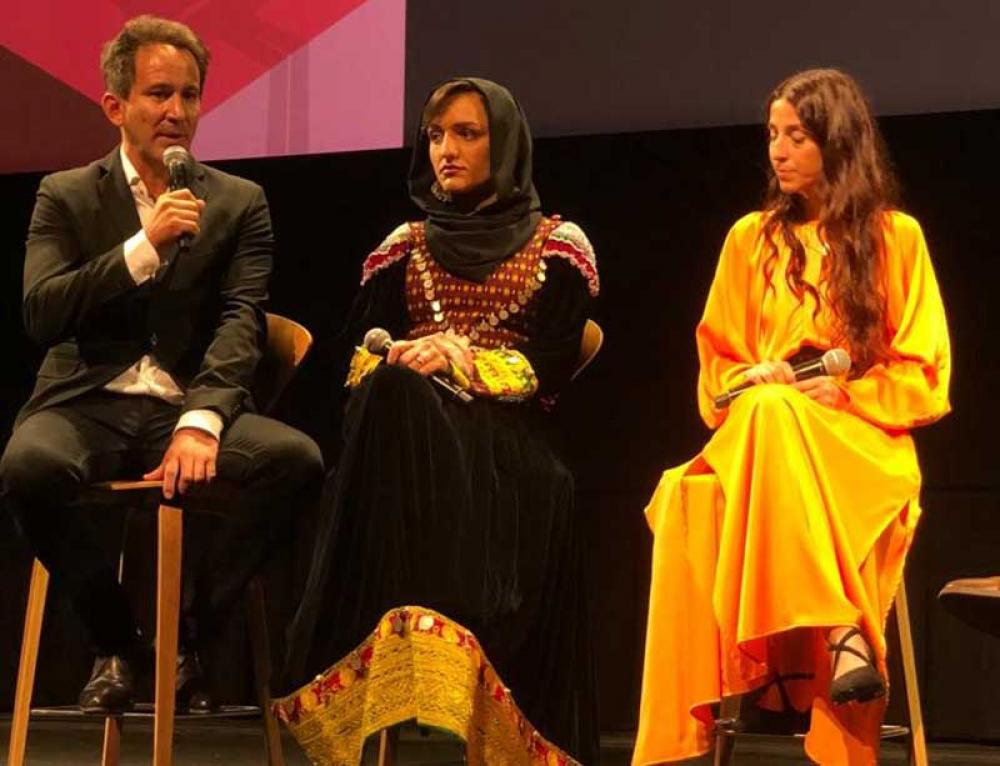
288, 342
590, 344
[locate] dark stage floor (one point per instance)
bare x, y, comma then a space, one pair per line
65, 743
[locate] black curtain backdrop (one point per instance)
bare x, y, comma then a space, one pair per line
656, 206
579, 66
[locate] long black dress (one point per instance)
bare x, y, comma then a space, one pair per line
463, 508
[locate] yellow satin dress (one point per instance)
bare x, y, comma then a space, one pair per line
796, 516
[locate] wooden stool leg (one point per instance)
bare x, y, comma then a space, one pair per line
387, 740
725, 728
168, 597
918, 747
33, 618
111, 752
260, 646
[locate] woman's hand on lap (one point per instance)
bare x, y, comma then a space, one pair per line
457, 348
770, 372
824, 390
421, 355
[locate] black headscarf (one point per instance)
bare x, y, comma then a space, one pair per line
471, 243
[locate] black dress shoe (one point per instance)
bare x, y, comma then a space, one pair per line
191, 686
111, 688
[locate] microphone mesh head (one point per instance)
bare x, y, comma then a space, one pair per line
836, 361
176, 154
377, 341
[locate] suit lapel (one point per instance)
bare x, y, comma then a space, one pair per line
117, 202
198, 187
199, 184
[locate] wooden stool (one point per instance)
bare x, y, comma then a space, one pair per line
287, 345
728, 726
168, 589
975, 601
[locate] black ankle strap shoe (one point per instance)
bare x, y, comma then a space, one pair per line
859, 685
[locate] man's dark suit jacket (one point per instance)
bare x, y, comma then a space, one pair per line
201, 318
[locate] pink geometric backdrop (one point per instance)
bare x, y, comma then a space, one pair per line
286, 77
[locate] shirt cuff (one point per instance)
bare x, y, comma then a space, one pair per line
208, 421
141, 257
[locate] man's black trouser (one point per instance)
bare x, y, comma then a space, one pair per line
101, 436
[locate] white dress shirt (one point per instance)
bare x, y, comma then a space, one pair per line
146, 377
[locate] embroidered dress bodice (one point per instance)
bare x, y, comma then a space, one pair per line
492, 314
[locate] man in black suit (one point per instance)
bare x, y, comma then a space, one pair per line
150, 304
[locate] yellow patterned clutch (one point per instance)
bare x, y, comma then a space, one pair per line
503, 374
416, 664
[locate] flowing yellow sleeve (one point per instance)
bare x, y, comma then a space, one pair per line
725, 327
912, 388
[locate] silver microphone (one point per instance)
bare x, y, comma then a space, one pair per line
836, 361
378, 341
180, 165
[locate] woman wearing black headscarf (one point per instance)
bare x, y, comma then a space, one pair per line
460, 506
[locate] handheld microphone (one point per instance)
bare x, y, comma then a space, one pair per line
179, 164
833, 362
379, 341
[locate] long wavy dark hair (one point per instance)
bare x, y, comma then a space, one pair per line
860, 188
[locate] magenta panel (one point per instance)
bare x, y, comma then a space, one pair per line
343, 91
286, 76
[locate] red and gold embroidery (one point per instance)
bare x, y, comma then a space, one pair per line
393, 248
492, 314
569, 242
419, 664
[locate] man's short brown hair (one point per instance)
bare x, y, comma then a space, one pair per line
118, 54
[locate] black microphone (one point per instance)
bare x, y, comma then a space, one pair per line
833, 362
379, 341
179, 164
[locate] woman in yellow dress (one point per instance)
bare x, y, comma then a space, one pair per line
778, 550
